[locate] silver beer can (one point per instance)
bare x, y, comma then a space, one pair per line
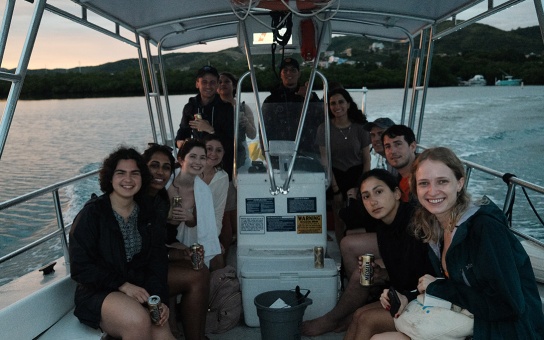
153, 303
319, 257
367, 271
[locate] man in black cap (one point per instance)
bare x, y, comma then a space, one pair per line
207, 114
376, 129
283, 107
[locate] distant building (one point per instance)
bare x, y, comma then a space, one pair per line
376, 47
347, 52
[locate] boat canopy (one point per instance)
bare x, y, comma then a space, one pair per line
187, 22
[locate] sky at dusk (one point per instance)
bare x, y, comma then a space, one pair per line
74, 45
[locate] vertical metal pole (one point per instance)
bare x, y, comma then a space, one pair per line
162, 69
427, 76
540, 16
60, 224
16, 87
285, 188
155, 90
146, 88
273, 188
409, 62
6, 24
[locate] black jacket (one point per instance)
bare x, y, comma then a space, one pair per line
98, 262
220, 115
281, 114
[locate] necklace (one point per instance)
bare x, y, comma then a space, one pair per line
345, 134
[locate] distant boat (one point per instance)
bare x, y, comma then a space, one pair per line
508, 81
477, 80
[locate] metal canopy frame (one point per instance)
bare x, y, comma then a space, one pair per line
174, 24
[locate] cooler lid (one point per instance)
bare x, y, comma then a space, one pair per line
273, 268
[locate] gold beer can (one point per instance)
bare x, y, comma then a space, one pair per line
319, 257
367, 271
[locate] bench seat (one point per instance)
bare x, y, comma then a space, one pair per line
41, 306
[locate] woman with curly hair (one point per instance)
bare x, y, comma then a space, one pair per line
117, 254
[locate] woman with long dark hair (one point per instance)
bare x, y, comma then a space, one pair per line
350, 149
193, 285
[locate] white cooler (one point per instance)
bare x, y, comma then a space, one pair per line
263, 275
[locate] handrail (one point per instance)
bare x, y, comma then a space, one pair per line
61, 230
512, 181
50, 188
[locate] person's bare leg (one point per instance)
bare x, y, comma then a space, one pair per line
337, 319
339, 225
194, 285
370, 320
390, 336
355, 245
124, 317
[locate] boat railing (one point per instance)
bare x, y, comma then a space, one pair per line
511, 181
61, 227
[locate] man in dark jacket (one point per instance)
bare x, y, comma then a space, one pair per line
207, 114
283, 107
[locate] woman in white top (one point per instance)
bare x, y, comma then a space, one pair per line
217, 179
193, 221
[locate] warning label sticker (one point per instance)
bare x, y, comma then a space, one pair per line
251, 225
309, 224
280, 223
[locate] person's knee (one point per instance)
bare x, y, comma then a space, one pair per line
346, 244
137, 324
357, 315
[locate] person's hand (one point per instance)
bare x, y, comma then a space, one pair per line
179, 253
381, 275
242, 119
164, 313
386, 304
180, 214
137, 293
352, 193
201, 125
338, 198
424, 281
302, 89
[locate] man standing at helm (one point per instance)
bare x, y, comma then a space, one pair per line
282, 108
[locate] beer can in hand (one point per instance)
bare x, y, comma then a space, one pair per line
176, 202
367, 271
153, 303
319, 257
197, 256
